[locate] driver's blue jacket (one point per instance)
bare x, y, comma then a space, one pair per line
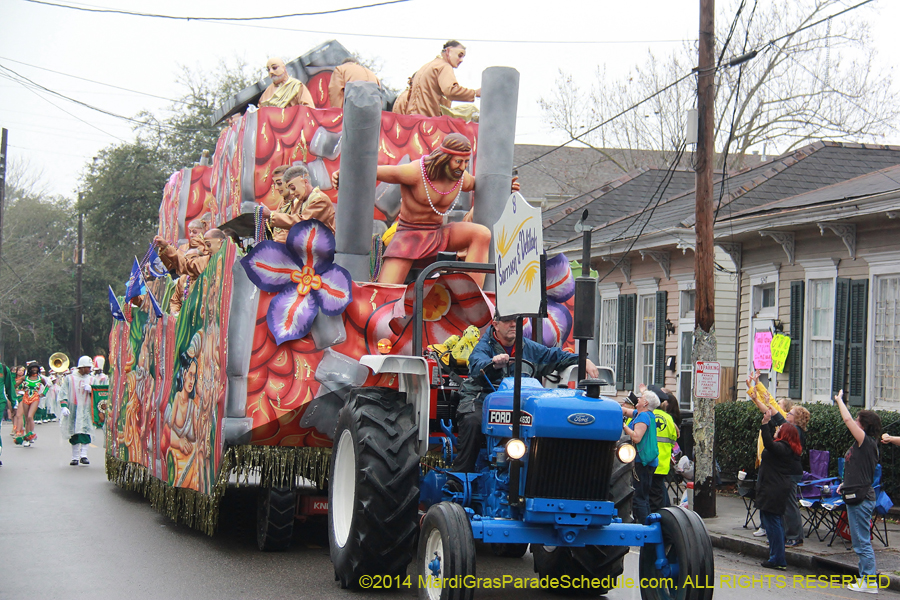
475, 388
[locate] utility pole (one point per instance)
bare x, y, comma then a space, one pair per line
704, 343
79, 267
3, 136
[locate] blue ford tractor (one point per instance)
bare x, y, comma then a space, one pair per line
556, 475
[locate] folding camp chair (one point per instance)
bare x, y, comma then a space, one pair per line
747, 491
815, 487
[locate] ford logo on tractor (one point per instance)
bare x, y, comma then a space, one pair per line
580, 419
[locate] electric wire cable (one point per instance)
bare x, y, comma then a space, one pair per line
180, 18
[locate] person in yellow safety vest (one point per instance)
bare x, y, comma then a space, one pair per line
666, 437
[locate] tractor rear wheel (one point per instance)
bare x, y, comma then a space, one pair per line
373, 492
275, 509
593, 562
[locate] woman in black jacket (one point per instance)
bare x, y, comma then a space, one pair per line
774, 484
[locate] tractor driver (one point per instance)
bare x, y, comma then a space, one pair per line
493, 359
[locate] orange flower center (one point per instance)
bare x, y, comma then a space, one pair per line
306, 280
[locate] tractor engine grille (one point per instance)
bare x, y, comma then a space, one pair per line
569, 469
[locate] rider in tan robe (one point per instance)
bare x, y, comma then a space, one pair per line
435, 83
284, 90
306, 202
348, 71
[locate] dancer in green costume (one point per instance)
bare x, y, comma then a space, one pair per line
32, 389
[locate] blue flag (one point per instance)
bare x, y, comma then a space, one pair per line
135, 286
154, 264
114, 306
156, 309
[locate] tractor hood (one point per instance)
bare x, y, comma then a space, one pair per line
557, 413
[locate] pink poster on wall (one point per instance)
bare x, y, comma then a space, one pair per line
762, 350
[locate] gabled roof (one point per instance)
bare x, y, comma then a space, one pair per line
879, 182
627, 194
805, 170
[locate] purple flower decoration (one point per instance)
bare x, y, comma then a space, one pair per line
560, 282
560, 287
303, 274
557, 325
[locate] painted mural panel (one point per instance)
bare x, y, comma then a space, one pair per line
168, 382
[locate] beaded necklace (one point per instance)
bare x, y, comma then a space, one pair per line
427, 183
260, 224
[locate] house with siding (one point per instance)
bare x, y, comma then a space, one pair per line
646, 266
824, 267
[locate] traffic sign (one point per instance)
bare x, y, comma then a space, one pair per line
707, 379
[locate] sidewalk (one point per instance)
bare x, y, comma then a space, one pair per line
727, 533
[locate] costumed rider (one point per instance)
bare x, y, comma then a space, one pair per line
303, 202
75, 398
98, 377
492, 360
32, 388
284, 90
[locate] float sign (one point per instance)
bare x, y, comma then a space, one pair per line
518, 245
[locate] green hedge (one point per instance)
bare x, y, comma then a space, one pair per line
737, 427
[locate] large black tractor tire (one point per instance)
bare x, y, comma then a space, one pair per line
373, 491
275, 509
594, 562
446, 553
685, 547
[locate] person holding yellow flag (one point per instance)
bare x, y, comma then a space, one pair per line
783, 412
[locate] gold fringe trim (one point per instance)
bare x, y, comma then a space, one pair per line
274, 466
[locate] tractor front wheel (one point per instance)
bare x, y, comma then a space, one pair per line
688, 552
446, 554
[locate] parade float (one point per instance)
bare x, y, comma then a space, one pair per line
289, 365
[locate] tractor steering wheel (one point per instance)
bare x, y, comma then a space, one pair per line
531, 368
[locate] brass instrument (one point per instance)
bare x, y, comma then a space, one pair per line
59, 362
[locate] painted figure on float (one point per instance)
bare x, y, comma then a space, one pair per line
284, 90
429, 188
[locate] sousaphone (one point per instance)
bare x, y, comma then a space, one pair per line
59, 362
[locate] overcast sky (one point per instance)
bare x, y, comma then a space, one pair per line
57, 138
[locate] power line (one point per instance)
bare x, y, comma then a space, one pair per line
178, 18
93, 81
683, 77
661, 190
236, 21
612, 118
157, 124
62, 109
819, 22
70, 99
468, 41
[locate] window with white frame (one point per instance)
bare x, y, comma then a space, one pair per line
647, 337
887, 338
764, 300
688, 302
820, 300
609, 332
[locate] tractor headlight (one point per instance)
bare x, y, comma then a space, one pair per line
626, 453
515, 449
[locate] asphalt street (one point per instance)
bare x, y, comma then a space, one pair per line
67, 533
